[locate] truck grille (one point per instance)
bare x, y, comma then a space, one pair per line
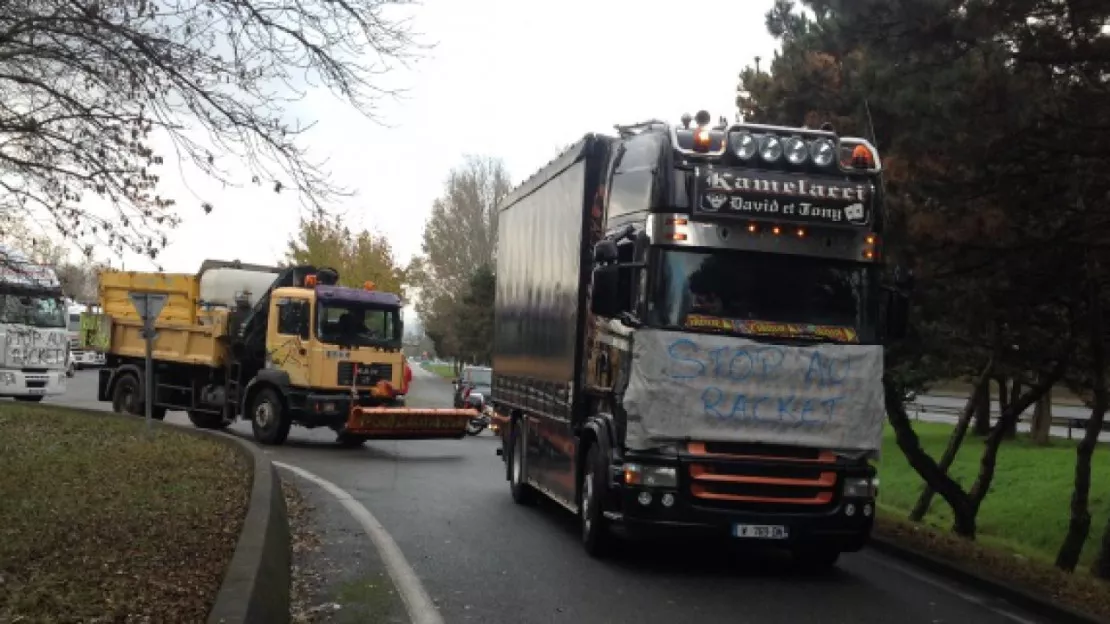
368, 374
761, 477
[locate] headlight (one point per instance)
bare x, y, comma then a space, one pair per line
822, 151
770, 148
861, 487
7, 379
796, 151
744, 145
650, 476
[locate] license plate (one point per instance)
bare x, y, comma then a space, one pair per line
34, 391
760, 531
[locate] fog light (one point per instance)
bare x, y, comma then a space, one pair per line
668, 500
644, 498
849, 510
867, 510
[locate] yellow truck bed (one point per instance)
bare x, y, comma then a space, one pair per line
185, 333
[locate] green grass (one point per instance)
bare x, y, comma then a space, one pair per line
100, 523
443, 370
1027, 509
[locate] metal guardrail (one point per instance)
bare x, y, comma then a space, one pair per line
915, 409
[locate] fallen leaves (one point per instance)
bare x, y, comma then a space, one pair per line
100, 524
1080, 591
308, 584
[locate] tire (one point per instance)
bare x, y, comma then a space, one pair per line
127, 396
37, 398
523, 494
816, 558
596, 537
347, 440
71, 370
474, 428
269, 419
205, 420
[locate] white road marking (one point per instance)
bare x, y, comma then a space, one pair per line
952, 589
418, 603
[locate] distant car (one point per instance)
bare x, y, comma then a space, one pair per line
473, 387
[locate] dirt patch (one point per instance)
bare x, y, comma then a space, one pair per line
101, 523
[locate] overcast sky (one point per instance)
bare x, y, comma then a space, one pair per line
517, 80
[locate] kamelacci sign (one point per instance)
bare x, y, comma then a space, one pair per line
785, 197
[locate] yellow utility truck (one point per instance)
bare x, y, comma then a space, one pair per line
276, 346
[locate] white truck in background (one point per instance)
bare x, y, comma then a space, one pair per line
80, 357
34, 344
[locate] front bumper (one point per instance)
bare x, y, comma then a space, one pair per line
834, 526
87, 358
14, 382
803, 501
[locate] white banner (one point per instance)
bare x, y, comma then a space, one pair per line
724, 388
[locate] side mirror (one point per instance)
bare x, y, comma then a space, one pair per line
605, 251
605, 299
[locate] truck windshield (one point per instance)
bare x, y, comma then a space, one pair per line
759, 294
355, 324
478, 376
36, 310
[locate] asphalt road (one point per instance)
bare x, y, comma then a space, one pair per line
484, 559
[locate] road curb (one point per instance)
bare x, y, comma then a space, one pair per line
1013, 594
256, 586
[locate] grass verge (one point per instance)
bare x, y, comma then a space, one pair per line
443, 370
1027, 508
100, 524
1081, 592
1022, 521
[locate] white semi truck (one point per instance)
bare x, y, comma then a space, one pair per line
34, 345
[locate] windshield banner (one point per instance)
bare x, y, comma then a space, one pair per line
771, 328
723, 388
771, 195
31, 347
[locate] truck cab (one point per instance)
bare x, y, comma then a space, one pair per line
34, 349
717, 368
327, 346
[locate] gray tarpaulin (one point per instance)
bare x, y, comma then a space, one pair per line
707, 387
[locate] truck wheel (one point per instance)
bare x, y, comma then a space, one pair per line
596, 538
269, 418
127, 396
30, 399
523, 494
816, 558
205, 420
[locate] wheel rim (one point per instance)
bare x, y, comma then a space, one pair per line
127, 399
587, 499
264, 414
